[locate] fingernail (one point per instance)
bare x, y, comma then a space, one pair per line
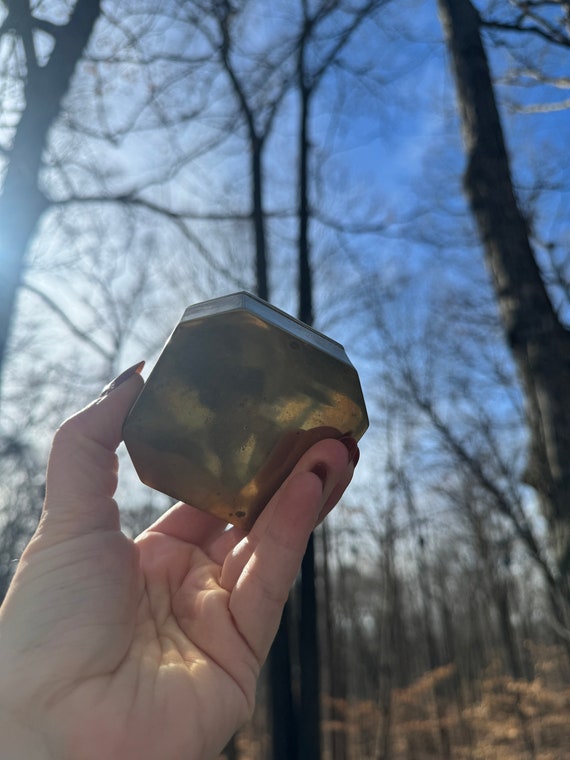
134, 370
351, 447
320, 470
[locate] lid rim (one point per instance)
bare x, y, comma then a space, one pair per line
245, 301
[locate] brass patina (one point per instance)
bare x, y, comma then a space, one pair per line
240, 391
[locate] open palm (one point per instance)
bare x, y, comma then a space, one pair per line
150, 648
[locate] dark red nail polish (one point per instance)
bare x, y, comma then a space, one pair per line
356, 457
320, 470
351, 446
120, 379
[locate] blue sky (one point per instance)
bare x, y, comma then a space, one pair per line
394, 155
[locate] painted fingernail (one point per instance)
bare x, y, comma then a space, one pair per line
320, 470
351, 447
134, 370
356, 457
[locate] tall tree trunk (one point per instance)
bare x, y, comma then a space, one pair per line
310, 718
389, 595
310, 723
284, 722
305, 275
539, 342
336, 660
257, 138
282, 708
259, 217
284, 719
22, 202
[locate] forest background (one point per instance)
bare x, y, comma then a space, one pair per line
345, 159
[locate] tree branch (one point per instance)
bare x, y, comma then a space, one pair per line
71, 326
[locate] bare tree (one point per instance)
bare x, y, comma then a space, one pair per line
19, 520
539, 341
43, 89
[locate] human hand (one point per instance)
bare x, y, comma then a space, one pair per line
112, 648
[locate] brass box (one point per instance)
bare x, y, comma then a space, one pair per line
240, 391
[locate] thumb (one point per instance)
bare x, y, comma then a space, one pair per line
83, 467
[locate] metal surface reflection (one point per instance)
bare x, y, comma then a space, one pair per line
239, 393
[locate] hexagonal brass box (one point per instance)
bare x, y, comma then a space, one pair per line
240, 391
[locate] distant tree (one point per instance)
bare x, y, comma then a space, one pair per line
19, 519
535, 332
540, 18
37, 89
316, 54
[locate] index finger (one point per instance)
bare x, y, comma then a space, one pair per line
278, 542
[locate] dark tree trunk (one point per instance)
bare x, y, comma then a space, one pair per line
22, 202
283, 716
257, 137
539, 343
310, 723
259, 217
310, 718
508, 634
284, 728
284, 721
305, 275
336, 661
